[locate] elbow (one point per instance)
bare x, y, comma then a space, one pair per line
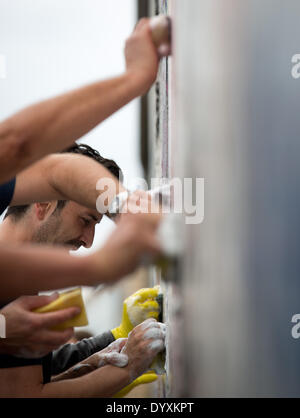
15, 150
18, 146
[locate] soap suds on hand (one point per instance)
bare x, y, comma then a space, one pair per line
111, 354
115, 359
156, 346
154, 333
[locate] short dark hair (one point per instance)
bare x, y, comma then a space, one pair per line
17, 212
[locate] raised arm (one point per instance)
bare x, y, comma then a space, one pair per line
64, 177
54, 124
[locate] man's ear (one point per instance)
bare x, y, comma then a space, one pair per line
45, 209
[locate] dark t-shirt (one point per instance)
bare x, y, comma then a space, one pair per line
6, 194
8, 361
61, 359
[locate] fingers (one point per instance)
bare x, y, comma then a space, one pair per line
33, 302
142, 24
148, 323
164, 50
153, 219
142, 232
112, 354
141, 202
144, 325
54, 318
46, 342
140, 194
144, 342
151, 328
141, 219
114, 359
120, 343
54, 339
152, 244
116, 345
160, 30
137, 204
155, 333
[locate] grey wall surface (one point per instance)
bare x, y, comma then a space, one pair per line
237, 124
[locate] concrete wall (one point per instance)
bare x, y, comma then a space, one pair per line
237, 125
226, 109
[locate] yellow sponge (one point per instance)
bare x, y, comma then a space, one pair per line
65, 300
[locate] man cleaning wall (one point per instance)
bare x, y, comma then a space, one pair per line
67, 224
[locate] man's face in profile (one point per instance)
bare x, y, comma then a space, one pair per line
71, 226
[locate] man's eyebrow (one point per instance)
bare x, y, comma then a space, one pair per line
94, 218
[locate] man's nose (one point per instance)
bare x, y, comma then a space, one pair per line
88, 236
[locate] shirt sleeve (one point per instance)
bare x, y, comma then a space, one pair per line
6, 194
71, 354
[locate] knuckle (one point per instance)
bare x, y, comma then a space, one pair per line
33, 324
68, 314
21, 300
143, 20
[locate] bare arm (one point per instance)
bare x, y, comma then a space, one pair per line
103, 382
27, 382
29, 269
63, 177
54, 124
37, 268
143, 344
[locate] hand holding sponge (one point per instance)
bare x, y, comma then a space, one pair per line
65, 300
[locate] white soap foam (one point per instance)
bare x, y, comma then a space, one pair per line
156, 346
154, 333
116, 345
149, 323
114, 358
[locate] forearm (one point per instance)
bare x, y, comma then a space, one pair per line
27, 270
55, 124
26, 382
64, 177
103, 382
